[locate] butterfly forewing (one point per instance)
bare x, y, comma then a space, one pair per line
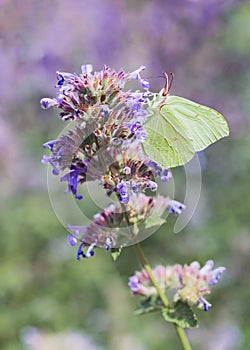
204, 124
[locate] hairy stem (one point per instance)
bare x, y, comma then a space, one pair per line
183, 337
146, 266
141, 257
180, 331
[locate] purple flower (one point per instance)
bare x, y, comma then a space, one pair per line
47, 103
134, 127
216, 275
166, 175
46, 160
104, 229
124, 199
72, 240
50, 144
205, 303
133, 283
140, 135
90, 252
108, 243
135, 187
188, 283
80, 252
213, 275
176, 207
86, 69
127, 170
155, 166
72, 178
122, 189
62, 77
136, 74
145, 84
152, 185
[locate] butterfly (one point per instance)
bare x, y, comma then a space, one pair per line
177, 128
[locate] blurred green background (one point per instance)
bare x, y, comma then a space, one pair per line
50, 301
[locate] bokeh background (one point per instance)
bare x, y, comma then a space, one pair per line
50, 301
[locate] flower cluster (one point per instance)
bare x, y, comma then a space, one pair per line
100, 99
107, 119
105, 144
113, 226
189, 282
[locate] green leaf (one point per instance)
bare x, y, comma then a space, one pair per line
115, 252
150, 304
151, 221
181, 314
178, 128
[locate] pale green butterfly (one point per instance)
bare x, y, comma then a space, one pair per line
177, 128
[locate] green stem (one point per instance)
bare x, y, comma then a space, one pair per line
180, 331
147, 267
141, 257
183, 337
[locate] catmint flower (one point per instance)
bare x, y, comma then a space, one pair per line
47, 103
72, 240
152, 185
205, 304
80, 252
49, 160
134, 283
214, 275
86, 69
128, 171
166, 175
189, 283
108, 244
145, 84
85, 254
134, 127
110, 225
140, 135
106, 115
50, 144
155, 166
136, 75
74, 177
176, 207
86, 94
122, 189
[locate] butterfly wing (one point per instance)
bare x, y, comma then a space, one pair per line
204, 124
167, 142
179, 128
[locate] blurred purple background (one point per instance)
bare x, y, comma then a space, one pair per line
206, 45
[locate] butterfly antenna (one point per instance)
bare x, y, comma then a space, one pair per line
156, 76
168, 83
171, 80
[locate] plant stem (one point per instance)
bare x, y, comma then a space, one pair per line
183, 337
141, 257
180, 331
147, 267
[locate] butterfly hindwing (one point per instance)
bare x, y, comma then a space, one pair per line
167, 142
